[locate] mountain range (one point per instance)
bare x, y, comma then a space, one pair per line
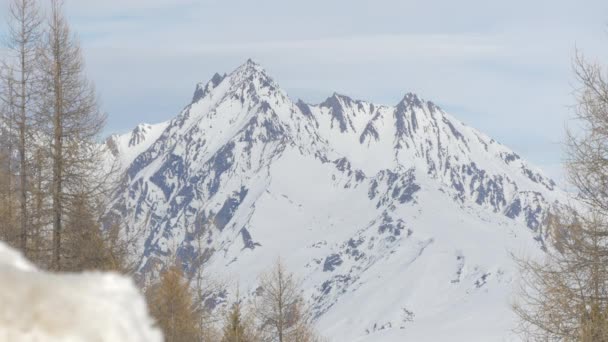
399, 220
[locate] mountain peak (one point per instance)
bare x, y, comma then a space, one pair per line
202, 90
411, 99
247, 71
138, 134
249, 67
251, 76
338, 100
251, 62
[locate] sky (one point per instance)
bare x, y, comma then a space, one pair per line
503, 67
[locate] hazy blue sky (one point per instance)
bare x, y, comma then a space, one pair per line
503, 67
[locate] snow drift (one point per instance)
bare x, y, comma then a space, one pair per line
41, 306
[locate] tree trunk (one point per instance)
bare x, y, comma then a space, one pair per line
58, 145
57, 168
22, 154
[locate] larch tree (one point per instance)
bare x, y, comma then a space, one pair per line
234, 330
564, 297
207, 288
8, 217
24, 32
171, 303
238, 326
85, 246
280, 309
73, 124
39, 216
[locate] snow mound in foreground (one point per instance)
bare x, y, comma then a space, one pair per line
41, 306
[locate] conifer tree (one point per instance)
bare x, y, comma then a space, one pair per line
86, 247
8, 216
280, 308
73, 123
564, 296
171, 304
237, 327
23, 42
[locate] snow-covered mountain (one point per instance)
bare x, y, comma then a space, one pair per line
399, 220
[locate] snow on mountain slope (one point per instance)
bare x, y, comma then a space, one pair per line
398, 219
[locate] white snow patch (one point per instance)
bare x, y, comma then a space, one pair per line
92, 306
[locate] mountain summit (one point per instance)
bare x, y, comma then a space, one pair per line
398, 219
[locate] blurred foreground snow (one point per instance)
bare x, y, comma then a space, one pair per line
41, 306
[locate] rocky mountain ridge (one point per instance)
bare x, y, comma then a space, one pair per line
400, 212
